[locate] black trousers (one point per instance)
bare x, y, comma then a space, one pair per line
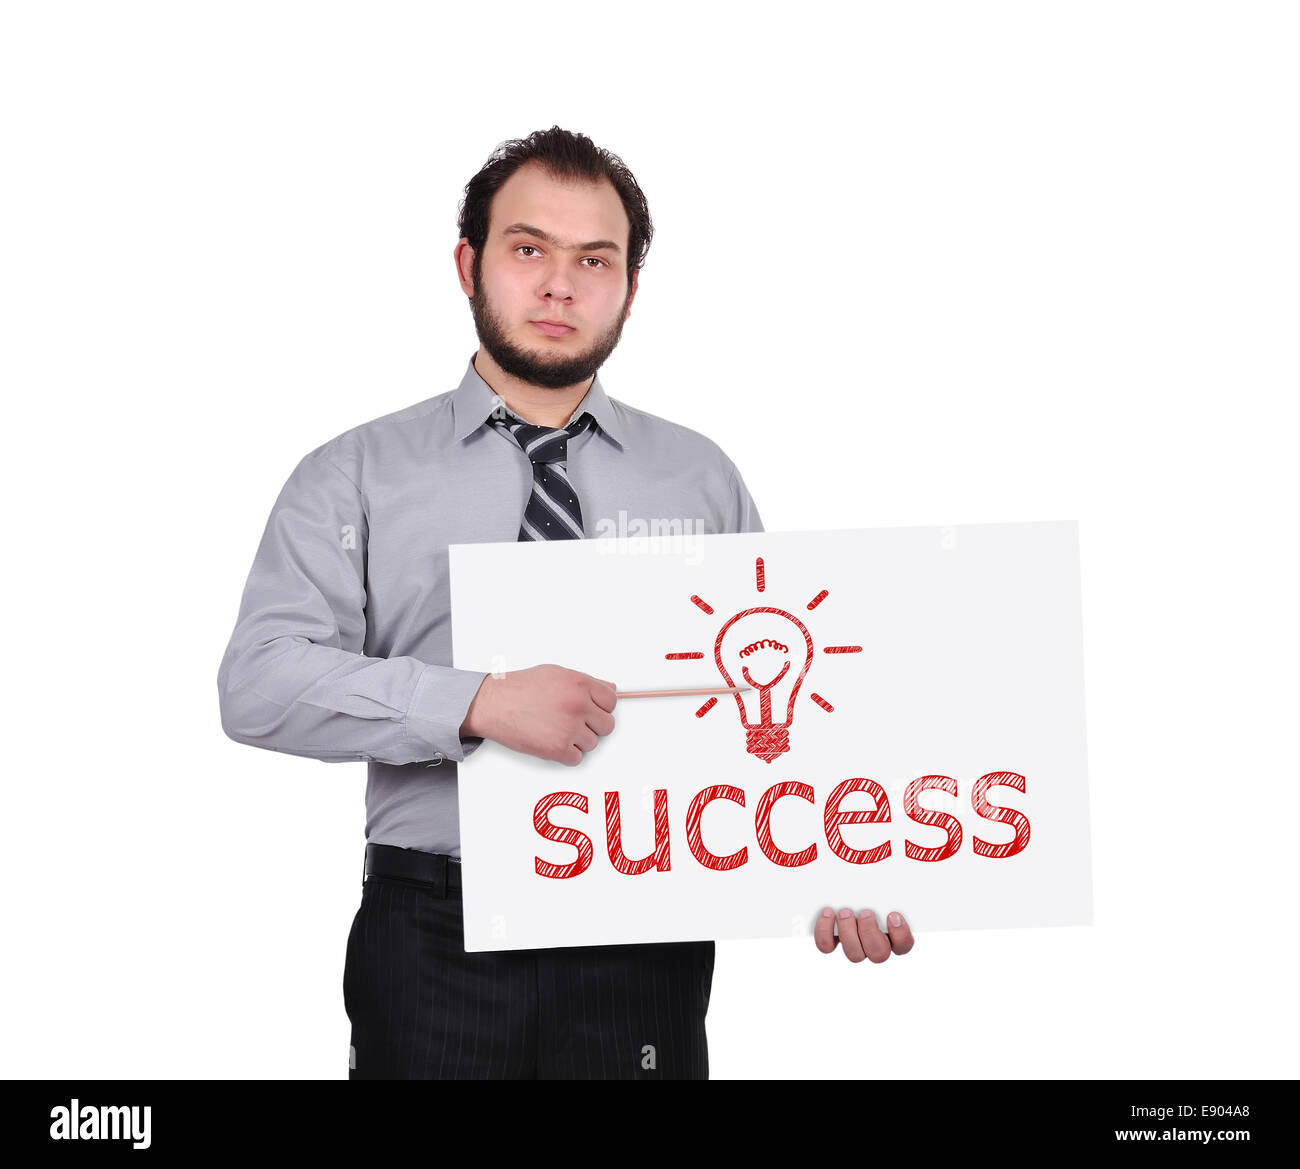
422, 1008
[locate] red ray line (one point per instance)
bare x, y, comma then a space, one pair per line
759, 574
817, 698
818, 599
708, 706
682, 657
842, 649
702, 604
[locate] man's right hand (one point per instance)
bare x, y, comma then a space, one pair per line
546, 711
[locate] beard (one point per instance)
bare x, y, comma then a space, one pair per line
552, 371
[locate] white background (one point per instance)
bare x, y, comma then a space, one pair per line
914, 264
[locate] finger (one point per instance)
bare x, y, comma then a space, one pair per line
900, 933
849, 939
873, 941
603, 694
570, 757
599, 721
586, 739
824, 931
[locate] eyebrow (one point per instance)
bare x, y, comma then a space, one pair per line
596, 245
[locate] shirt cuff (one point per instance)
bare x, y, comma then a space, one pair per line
439, 704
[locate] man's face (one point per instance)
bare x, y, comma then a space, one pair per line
550, 288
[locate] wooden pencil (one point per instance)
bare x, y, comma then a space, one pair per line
672, 693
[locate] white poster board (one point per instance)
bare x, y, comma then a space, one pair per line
938, 668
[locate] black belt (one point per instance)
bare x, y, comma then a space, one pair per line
435, 869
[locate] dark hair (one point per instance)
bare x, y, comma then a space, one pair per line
566, 156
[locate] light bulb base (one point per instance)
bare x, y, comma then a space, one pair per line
767, 741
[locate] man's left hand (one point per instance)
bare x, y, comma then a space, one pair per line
861, 936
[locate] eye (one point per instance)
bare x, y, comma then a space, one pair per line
525, 248
596, 260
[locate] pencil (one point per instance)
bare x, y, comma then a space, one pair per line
670, 693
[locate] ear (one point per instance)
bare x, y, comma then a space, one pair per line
636, 272
464, 266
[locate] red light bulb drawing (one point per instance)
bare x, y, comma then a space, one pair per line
763, 647
771, 650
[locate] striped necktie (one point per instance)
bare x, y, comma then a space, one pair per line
553, 511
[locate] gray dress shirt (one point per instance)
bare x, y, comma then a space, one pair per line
342, 649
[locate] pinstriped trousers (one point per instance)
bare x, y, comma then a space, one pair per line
422, 1008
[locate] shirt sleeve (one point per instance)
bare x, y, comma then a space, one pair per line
744, 515
294, 677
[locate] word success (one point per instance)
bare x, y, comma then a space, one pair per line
833, 819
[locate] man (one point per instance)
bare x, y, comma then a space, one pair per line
342, 649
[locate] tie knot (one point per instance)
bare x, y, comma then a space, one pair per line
543, 444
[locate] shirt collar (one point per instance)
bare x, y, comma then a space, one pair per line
474, 400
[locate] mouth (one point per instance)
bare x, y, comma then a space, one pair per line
552, 328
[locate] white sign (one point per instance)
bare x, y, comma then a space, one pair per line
913, 737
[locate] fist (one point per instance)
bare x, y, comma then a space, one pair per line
546, 711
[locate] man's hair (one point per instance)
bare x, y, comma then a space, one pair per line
566, 156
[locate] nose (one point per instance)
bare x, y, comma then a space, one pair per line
556, 283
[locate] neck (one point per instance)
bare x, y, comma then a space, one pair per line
540, 405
